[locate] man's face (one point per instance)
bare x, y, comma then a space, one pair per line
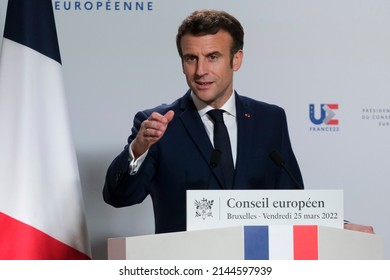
208, 66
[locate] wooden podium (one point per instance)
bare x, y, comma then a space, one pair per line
276, 242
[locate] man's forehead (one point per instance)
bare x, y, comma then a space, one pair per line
209, 42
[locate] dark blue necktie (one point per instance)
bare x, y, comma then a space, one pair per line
222, 143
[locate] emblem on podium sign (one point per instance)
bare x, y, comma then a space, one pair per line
204, 208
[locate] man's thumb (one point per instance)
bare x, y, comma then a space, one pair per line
169, 115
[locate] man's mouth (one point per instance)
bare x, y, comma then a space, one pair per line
204, 83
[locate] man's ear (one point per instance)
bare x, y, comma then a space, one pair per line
237, 60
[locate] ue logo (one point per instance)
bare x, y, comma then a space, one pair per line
326, 114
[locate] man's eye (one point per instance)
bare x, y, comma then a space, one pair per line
190, 59
213, 57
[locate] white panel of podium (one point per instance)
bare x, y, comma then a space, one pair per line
285, 242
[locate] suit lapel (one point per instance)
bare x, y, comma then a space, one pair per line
195, 129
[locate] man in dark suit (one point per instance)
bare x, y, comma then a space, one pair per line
170, 147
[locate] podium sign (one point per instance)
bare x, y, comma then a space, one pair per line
208, 209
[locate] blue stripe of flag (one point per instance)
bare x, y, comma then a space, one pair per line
31, 23
256, 240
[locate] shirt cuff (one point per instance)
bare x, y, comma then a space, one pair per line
135, 164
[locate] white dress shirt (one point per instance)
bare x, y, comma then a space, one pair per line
229, 118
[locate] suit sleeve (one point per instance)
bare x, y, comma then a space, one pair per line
120, 188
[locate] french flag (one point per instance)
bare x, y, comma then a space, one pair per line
41, 205
289, 242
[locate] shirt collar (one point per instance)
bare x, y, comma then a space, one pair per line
229, 107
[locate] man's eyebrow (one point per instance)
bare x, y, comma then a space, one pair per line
213, 53
188, 54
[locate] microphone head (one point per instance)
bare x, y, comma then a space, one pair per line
215, 158
277, 158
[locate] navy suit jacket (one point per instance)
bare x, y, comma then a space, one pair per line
181, 160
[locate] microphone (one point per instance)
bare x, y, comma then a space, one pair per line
277, 158
214, 161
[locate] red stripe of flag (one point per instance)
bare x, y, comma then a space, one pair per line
305, 242
23, 242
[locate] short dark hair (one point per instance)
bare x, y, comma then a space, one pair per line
203, 22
